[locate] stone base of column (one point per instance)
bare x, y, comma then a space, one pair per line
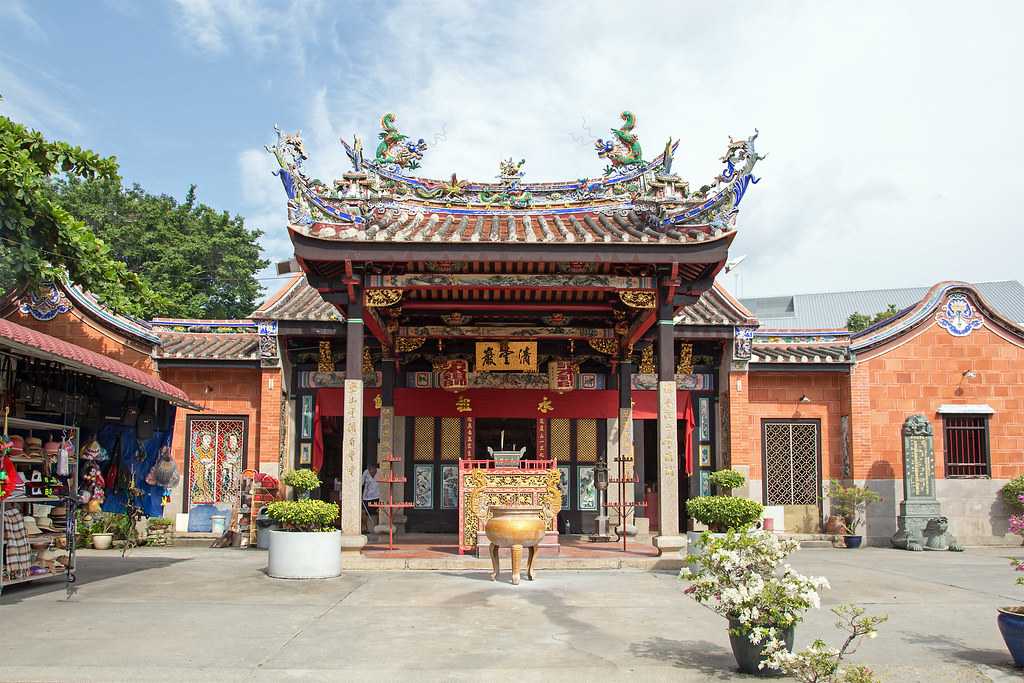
667, 545
352, 544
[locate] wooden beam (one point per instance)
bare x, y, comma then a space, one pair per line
640, 326
376, 327
336, 298
520, 332
554, 281
501, 307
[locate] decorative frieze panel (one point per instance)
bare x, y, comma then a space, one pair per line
269, 355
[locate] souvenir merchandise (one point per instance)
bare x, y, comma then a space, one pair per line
34, 447
29, 526
18, 553
164, 472
17, 445
8, 477
93, 451
93, 485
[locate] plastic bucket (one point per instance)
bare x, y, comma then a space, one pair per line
217, 523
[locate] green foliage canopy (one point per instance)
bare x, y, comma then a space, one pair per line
40, 241
727, 480
304, 515
858, 321
200, 262
721, 513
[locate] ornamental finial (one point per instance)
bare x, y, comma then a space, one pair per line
397, 149
623, 150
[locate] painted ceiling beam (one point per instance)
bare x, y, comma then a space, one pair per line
502, 307
553, 281
515, 332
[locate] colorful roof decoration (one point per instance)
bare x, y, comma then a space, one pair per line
633, 200
28, 342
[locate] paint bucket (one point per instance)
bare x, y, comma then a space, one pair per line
217, 523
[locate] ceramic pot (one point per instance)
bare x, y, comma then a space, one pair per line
102, 541
748, 655
515, 528
304, 554
853, 541
1011, 625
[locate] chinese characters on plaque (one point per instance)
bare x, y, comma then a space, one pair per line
498, 356
561, 375
453, 375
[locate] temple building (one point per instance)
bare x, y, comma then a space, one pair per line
436, 326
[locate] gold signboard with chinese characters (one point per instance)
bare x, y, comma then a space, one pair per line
511, 356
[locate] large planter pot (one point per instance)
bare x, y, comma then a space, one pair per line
694, 547
1011, 625
853, 542
749, 656
304, 555
102, 541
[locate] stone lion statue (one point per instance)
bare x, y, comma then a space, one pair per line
937, 536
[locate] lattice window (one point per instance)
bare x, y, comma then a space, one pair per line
586, 440
965, 438
423, 439
451, 438
216, 448
559, 436
791, 463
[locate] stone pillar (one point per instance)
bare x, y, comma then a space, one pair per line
669, 539
352, 538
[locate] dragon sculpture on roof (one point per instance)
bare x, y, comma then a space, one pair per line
396, 148
624, 150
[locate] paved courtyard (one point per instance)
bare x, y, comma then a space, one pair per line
200, 614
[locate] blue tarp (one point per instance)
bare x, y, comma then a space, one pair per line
151, 501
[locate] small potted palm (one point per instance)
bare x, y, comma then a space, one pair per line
721, 513
850, 503
307, 546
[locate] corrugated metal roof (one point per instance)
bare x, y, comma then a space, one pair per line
830, 310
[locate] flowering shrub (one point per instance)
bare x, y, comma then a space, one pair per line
738, 576
819, 663
1017, 521
1018, 566
1013, 493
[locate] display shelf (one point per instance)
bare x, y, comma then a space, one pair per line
51, 499
34, 577
390, 506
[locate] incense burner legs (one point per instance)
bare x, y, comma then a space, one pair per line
515, 528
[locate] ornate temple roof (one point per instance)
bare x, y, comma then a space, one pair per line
633, 201
296, 300
716, 306
228, 346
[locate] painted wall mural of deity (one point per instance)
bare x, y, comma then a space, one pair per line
216, 460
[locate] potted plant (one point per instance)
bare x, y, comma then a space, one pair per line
1011, 619
307, 546
850, 503
721, 513
738, 576
101, 531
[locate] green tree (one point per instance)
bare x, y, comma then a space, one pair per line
858, 321
40, 241
200, 262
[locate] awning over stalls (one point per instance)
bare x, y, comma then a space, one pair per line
28, 342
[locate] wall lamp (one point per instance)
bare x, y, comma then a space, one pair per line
805, 399
969, 374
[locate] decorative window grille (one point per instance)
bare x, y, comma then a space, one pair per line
560, 435
586, 440
965, 439
423, 439
791, 463
451, 438
216, 459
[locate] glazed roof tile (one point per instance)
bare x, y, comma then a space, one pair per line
801, 353
716, 306
24, 340
296, 300
207, 346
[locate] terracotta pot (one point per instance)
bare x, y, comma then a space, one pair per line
515, 528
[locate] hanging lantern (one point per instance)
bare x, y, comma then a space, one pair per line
453, 375
561, 375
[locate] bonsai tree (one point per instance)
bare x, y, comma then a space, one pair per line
303, 481
727, 480
304, 515
850, 503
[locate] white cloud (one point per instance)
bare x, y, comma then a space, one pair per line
38, 101
16, 11
891, 132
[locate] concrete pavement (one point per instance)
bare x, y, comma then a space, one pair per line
196, 613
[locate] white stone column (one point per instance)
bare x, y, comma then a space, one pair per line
669, 538
352, 538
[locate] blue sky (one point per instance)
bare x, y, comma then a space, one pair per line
892, 130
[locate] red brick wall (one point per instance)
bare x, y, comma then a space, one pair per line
777, 395
76, 329
927, 371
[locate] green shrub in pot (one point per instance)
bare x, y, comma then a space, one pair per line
721, 513
726, 480
303, 481
304, 515
1012, 492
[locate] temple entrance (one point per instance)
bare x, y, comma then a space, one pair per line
506, 434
